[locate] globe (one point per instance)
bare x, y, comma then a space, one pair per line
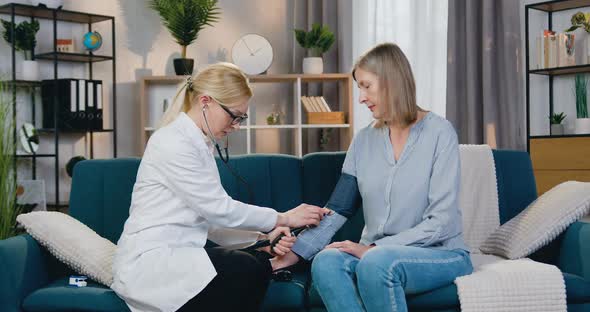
92, 40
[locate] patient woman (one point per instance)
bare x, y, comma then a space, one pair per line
178, 202
406, 167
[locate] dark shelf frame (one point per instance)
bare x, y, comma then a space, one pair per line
55, 15
73, 57
560, 71
549, 7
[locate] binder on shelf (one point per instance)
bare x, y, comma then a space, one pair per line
66, 106
98, 121
79, 106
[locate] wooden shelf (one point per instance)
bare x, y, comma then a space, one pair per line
50, 130
35, 155
559, 5
47, 13
261, 78
22, 83
344, 81
558, 71
560, 136
73, 57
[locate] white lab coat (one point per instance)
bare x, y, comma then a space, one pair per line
177, 203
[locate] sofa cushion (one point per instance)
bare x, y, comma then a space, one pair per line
274, 180
101, 194
515, 181
541, 222
72, 242
59, 297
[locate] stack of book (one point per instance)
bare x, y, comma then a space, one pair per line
319, 112
554, 50
315, 104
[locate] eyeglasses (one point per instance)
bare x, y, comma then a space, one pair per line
235, 118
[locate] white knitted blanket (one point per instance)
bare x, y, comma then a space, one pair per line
498, 285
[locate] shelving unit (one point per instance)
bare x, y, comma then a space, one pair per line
345, 89
55, 16
556, 158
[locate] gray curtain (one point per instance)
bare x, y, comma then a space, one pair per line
324, 12
484, 73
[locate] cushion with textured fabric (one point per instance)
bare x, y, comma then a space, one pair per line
541, 222
72, 242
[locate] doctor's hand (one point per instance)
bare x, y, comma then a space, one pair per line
284, 245
302, 215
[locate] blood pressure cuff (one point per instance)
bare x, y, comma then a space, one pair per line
345, 198
344, 202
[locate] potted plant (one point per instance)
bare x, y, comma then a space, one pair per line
184, 19
582, 123
556, 126
317, 42
581, 20
24, 40
8, 207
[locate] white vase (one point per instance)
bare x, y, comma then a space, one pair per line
313, 65
30, 70
557, 129
582, 125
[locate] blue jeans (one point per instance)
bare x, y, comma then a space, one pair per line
385, 274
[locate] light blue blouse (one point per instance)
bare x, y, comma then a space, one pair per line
413, 201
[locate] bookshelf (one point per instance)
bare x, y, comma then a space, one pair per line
247, 131
555, 158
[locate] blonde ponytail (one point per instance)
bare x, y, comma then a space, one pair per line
224, 82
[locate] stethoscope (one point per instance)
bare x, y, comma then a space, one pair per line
226, 159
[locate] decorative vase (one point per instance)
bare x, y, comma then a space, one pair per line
30, 70
582, 125
183, 67
556, 129
313, 65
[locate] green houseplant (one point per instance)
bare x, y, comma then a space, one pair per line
317, 41
555, 120
24, 41
185, 19
582, 123
8, 208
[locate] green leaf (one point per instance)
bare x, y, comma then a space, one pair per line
186, 18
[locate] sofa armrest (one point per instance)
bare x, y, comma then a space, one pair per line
574, 250
23, 268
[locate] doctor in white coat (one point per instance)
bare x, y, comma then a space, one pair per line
178, 202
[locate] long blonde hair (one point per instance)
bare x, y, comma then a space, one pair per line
224, 82
396, 81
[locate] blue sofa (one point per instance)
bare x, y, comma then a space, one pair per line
32, 280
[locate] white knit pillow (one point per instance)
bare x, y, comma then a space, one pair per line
541, 222
73, 243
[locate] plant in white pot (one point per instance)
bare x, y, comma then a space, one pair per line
24, 40
317, 42
185, 19
582, 123
556, 126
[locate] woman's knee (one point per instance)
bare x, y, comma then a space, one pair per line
327, 260
378, 264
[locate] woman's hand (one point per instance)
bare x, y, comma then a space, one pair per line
352, 248
302, 215
284, 245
